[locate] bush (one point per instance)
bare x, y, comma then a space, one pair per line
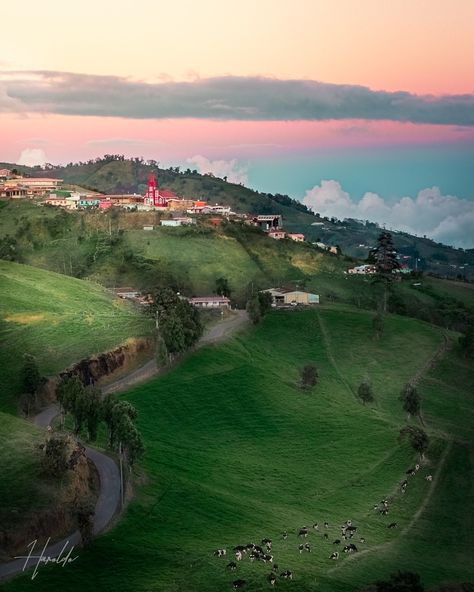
309, 376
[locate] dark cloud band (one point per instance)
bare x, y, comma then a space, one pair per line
224, 98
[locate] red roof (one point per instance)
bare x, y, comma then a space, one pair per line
167, 193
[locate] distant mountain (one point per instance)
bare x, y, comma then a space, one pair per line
116, 174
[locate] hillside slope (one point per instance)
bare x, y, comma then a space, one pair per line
235, 452
57, 319
113, 174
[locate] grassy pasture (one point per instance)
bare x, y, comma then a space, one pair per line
235, 452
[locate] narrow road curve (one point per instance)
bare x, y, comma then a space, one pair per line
216, 333
106, 507
109, 496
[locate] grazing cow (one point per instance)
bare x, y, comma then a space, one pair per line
384, 511
287, 575
301, 548
392, 525
350, 529
325, 535
303, 532
220, 552
258, 549
334, 555
275, 567
362, 540
417, 468
238, 555
272, 579
351, 548
284, 535
267, 558
429, 477
236, 584
307, 547
326, 525
411, 472
250, 547
267, 543
241, 548
253, 556
232, 566
337, 542
348, 522
316, 526
384, 502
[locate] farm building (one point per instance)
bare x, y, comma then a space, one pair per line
362, 270
267, 222
299, 238
276, 234
210, 302
177, 221
287, 297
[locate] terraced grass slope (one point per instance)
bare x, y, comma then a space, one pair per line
235, 452
57, 319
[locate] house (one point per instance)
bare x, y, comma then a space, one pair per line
267, 222
299, 238
362, 270
276, 234
89, 203
13, 192
105, 204
5, 173
127, 293
178, 221
210, 302
288, 297
57, 201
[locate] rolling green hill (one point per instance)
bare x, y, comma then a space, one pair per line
112, 174
235, 452
57, 319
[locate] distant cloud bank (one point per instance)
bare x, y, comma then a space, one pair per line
235, 172
223, 98
445, 218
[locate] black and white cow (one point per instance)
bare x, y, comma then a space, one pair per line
307, 547
287, 575
334, 555
237, 584
267, 543
303, 532
392, 525
238, 555
232, 566
267, 558
272, 579
326, 525
316, 526
301, 548
220, 552
284, 535
351, 548
429, 477
337, 542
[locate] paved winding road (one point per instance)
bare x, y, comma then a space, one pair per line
106, 507
109, 496
214, 334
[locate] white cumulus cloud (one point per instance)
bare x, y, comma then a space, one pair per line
32, 157
235, 172
445, 218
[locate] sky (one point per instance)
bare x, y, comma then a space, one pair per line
331, 102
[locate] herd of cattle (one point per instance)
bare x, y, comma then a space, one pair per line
263, 552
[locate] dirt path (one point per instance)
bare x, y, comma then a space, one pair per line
221, 331
427, 366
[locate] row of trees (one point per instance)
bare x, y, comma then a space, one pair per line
88, 410
258, 305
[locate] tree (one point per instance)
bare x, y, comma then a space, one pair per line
418, 439
177, 321
309, 376
56, 454
253, 310
108, 404
466, 341
400, 582
378, 325
265, 301
93, 408
222, 287
365, 392
411, 400
384, 257
84, 512
31, 380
